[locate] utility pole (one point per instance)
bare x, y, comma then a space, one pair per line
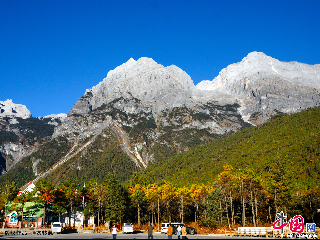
158, 216
281, 216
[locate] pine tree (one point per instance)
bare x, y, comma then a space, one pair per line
115, 203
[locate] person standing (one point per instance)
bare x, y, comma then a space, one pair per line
114, 231
184, 232
150, 231
170, 231
179, 232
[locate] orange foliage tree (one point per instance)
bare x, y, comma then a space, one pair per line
137, 196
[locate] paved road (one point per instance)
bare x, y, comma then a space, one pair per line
119, 236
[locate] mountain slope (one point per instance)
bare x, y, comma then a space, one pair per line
19, 137
151, 102
117, 147
287, 149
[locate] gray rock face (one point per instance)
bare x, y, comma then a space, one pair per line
27, 139
256, 63
263, 86
155, 86
60, 116
147, 105
10, 109
17, 151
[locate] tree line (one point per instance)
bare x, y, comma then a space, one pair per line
105, 200
109, 200
235, 197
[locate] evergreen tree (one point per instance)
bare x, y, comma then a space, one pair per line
8, 193
115, 203
213, 209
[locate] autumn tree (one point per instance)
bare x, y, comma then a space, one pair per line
98, 194
198, 195
229, 191
253, 185
44, 194
137, 196
153, 195
70, 195
168, 196
184, 196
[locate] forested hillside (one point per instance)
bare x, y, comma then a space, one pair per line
264, 169
102, 157
286, 147
41, 160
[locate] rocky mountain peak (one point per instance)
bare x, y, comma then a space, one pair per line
10, 109
255, 56
262, 67
261, 84
264, 86
133, 67
156, 86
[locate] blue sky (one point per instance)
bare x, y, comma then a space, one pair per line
51, 51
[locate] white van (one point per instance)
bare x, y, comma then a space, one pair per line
164, 226
127, 228
56, 227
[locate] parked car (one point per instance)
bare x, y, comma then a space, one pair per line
164, 226
127, 228
56, 227
190, 230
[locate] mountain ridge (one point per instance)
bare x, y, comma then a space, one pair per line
235, 83
154, 112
